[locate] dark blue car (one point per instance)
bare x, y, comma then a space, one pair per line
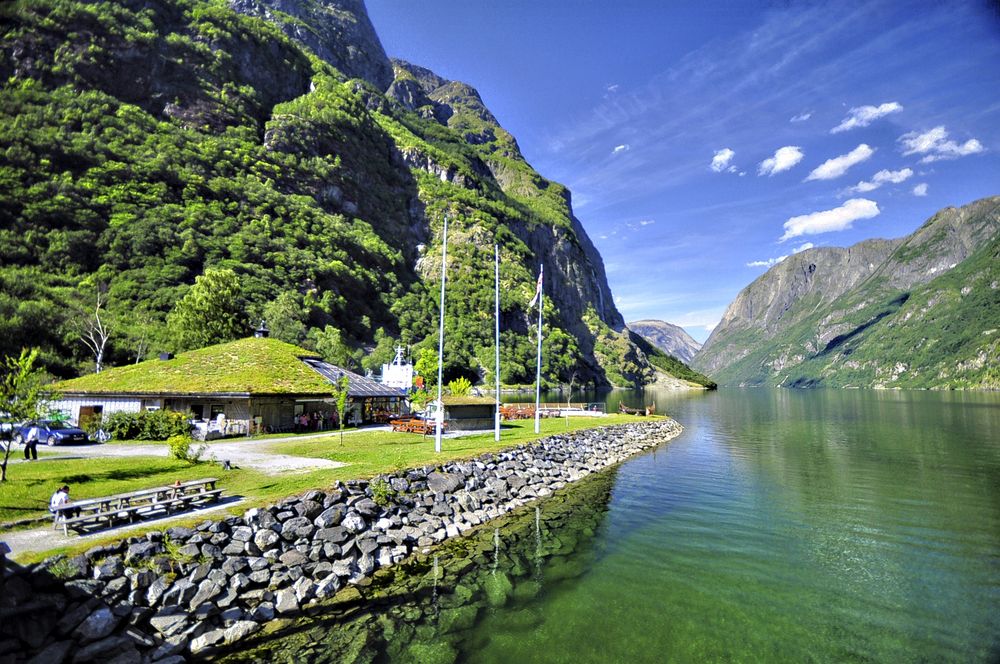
52, 432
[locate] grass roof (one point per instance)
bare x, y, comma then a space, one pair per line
252, 365
452, 400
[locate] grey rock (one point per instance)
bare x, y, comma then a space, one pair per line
444, 482
235, 564
266, 539
240, 630
286, 602
330, 517
297, 527
206, 591
97, 625
243, 534
207, 640
293, 557
354, 522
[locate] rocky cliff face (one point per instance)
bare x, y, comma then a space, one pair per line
669, 338
257, 136
339, 32
834, 316
575, 275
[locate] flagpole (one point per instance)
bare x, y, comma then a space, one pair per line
439, 415
496, 418
538, 369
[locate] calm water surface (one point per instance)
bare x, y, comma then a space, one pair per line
782, 525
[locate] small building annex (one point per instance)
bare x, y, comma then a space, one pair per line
243, 385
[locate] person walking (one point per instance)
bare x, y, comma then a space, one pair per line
31, 443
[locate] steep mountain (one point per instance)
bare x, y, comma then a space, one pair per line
669, 338
918, 311
146, 141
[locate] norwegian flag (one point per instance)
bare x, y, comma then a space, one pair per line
538, 288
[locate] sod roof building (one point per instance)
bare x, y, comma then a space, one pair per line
232, 388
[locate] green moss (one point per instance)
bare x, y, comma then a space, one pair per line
246, 366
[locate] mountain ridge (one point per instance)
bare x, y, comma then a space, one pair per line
821, 317
150, 140
671, 339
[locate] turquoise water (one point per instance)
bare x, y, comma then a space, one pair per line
783, 525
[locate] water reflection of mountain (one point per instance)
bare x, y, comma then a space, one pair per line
427, 609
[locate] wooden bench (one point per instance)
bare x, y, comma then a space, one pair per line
134, 504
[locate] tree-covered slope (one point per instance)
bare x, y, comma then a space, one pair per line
921, 311
145, 142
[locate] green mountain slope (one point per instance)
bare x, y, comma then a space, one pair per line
920, 311
146, 141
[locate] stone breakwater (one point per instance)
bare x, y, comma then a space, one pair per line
171, 596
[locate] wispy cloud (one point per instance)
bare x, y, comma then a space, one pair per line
862, 116
721, 160
920, 189
801, 117
881, 178
771, 262
934, 144
826, 221
624, 147
612, 88
834, 168
783, 159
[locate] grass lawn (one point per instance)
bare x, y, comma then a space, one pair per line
29, 486
374, 452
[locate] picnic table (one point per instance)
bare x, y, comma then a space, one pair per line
132, 505
416, 425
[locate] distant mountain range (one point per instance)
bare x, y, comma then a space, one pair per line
922, 311
669, 338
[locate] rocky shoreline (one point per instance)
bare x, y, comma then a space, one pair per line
176, 595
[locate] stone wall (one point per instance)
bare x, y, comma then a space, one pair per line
171, 596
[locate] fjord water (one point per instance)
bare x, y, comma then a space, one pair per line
782, 525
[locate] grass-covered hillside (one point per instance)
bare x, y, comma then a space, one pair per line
145, 142
925, 315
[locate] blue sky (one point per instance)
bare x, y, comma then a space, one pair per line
705, 141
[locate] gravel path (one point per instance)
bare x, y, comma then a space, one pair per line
240, 453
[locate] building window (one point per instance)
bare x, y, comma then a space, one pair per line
215, 410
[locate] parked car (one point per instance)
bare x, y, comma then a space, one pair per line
52, 432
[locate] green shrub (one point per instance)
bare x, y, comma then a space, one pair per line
145, 425
182, 447
460, 387
382, 493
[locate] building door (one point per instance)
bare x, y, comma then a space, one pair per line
88, 413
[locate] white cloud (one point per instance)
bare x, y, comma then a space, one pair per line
612, 88
920, 189
801, 117
647, 222
783, 159
720, 161
834, 168
934, 144
771, 262
862, 116
826, 221
881, 178
624, 147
